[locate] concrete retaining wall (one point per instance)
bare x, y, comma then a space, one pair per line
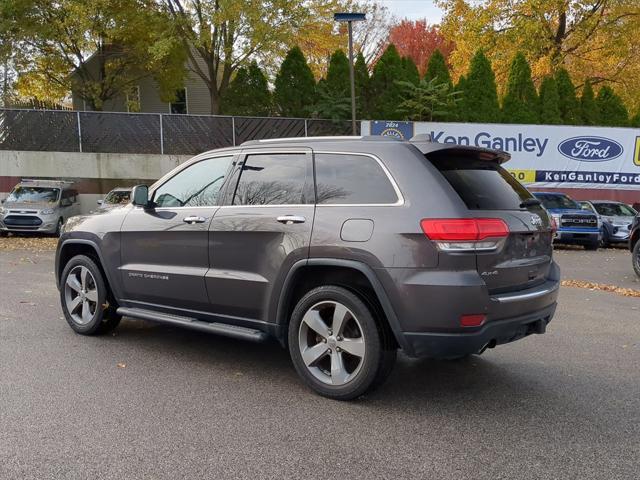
94, 173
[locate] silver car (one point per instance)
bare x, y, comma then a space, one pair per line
616, 217
38, 206
115, 198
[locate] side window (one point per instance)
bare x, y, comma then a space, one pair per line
352, 179
195, 186
273, 179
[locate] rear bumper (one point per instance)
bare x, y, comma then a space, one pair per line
429, 306
444, 345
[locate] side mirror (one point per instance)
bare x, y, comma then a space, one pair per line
99, 202
140, 196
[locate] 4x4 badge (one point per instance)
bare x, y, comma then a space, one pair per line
536, 221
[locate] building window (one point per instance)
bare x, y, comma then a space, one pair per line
133, 99
179, 105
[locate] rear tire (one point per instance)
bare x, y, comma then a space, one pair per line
84, 298
635, 257
336, 345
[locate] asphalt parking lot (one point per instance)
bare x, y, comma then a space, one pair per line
157, 402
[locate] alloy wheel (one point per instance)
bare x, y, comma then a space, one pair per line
331, 343
81, 295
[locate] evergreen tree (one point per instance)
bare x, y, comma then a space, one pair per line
295, 87
549, 102
480, 96
611, 110
520, 104
459, 111
569, 106
588, 108
411, 73
361, 74
437, 68
338, 74
386, 94
248, 93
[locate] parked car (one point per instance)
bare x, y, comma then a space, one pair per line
634, 244
40, 206
616, 219
115, 198
343, 249
575, 225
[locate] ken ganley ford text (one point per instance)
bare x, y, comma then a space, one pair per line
588, 177
518, 143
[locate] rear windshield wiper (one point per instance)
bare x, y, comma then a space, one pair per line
530, 202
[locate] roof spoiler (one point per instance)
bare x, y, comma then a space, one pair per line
429, 148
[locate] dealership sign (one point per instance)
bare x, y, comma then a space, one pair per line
545, 155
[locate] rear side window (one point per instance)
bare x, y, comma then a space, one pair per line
352, 179
273, 179
481, 184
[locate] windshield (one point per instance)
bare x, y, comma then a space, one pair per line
25, 194
117, 198
614, 210
558, 202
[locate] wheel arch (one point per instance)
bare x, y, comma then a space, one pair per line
307, 274
77, 246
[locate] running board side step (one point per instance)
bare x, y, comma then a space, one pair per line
233, 331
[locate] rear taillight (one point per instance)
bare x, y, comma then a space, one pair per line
554, 224
465, 234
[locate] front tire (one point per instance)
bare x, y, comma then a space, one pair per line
58, 228
336, 345
635, 257
84, 298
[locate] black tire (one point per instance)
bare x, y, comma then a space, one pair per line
635, 257
605, 240
373, 368
103, 319
591, 246
59, 228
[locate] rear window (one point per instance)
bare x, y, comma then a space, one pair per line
481, 184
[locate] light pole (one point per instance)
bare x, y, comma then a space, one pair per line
350, 18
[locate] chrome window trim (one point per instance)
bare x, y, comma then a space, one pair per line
399, 196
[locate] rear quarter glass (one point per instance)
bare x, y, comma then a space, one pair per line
481, 184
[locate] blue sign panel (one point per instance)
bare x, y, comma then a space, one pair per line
401, 130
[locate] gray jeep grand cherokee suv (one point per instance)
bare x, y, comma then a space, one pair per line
343, 249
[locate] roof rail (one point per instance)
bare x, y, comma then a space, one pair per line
45, 180
374, 138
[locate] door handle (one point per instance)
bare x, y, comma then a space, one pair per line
289, 219
193, 219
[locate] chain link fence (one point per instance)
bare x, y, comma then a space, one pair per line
110, 132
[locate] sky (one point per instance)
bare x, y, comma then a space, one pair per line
414, 9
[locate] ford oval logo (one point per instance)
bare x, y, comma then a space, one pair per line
590, 149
